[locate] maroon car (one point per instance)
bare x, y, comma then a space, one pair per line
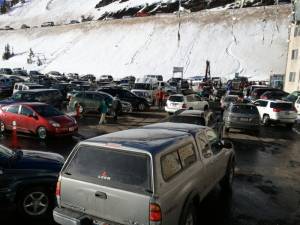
39, 119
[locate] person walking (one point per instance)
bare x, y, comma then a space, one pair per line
116, 107
103, 110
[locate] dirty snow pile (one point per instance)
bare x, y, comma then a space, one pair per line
251, 41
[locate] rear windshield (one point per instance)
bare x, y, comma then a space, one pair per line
188, 119
282, 106
176, 98
244, 109
112, 168
230, 99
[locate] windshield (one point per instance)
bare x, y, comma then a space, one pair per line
142, 86
5, 152
176, 98
23, 96
112, 168
197, 120
47, 110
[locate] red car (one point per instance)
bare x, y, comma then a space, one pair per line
40, 119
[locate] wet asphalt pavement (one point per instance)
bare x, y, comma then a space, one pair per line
267, 183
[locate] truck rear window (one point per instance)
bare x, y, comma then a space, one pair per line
111, 168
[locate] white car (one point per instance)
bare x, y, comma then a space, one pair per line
297, 105
179, 101
276, 111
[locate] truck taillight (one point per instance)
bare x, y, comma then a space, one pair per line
154, 212
58, 190
276, 110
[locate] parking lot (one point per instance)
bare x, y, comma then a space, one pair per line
266, 187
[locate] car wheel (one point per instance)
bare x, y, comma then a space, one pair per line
141, 107
2, 127
189, 217
227, 181
266, 120
42, 133
35, 203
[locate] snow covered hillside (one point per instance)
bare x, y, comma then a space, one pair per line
252, 41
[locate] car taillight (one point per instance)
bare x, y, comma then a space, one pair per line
184, 106
58, 190
276, 110
154, 213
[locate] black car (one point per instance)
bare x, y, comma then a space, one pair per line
27, 181
64, 88
137, 103
88, 77
50, 96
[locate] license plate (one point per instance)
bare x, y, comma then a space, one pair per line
95, 222
71, 129
244, 119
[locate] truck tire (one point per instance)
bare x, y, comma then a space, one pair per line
189, 216
35, 203
227, 181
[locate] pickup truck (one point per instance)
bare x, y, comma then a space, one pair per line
157, 174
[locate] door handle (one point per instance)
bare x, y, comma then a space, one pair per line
100, 194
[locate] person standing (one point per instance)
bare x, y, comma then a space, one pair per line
103, 110
116, 107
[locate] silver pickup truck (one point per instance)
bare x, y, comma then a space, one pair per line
152, 175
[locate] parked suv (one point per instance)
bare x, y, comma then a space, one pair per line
138, 103
242, 117
276, 111
27, 181
90, 101
152, 175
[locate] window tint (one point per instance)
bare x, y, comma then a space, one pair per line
112, 168
203, 143
244, 109
187, 155
47, 110
13, 109
188, 119
89, 95
26, 111
79, 95
176, 98
170, 165
211, 136
282, 106
261, 103
213, 141
98, 97
190, 98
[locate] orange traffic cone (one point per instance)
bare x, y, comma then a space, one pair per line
14, 137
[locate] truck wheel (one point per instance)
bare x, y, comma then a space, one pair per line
189, 217
35, 203
227, 181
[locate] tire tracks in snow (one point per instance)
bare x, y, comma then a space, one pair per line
228, 52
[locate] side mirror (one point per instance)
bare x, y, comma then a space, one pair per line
34, 116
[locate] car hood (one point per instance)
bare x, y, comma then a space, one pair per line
37, 160
63, 120
7, 101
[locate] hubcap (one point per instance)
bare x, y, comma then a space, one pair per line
42, 133
35, 203
2, 127
189, 220
142, 107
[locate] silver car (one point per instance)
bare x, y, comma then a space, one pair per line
152, 175
242, 116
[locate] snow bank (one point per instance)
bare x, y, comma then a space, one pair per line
252, 41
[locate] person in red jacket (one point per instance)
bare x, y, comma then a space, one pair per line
160, 96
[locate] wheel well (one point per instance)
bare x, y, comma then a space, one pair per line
194, 199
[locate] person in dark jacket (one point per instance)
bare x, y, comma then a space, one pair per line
116, 107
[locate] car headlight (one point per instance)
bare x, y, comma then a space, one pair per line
55, 124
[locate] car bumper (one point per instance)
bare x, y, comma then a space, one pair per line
242, 126
284, 120
171, 110
64, 131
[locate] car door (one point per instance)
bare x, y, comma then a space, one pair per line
220, 156
10, 115
27, 121
208, 161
